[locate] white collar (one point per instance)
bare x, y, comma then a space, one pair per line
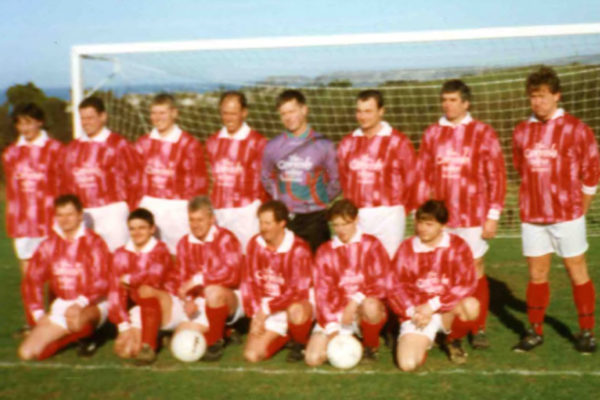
210, 236
420, 247
148, 247
40, 141
241, 133
384, 130
101, 137
443, 121
356, 238
61, 233
172, 136
286, 243
557, 114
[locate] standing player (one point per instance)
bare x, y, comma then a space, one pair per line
235, 156
173, 170
275, 287
431, 281
100, 168
376, 164
461, 163
350, 284
74, 261
557, 158
32, 181
299, 169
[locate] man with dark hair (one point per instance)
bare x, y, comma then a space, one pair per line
299, 168
430, 286
350, 285
235, 156
461, 163
74, 261
377, 164
275, 287
102, 169
173, 170
32, 180
556, 156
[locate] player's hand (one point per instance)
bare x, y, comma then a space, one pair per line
190, 308
349, 314
490, 227
73, 317
127, 343
257, 325
422, 316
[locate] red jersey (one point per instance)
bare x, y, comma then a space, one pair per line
76, 269
148, 266
440, 276
377, 171
101, 170
173, 167
463, 166
32, 179
215, 261
235, 162
345, 272
557, 161
273, 280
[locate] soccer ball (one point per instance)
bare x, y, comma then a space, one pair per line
188, 345
344, 351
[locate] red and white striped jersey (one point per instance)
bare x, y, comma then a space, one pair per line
557, 161
377, 171
173, 167
274, 280
217, 260
235, 162
76, 269
345, 272
148, 266
101, 170
463, 166
440, 276
32, 178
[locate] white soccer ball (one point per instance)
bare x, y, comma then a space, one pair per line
188, 345
344, 351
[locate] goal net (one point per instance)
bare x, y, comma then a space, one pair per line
409, 68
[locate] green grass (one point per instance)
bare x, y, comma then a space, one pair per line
554, 371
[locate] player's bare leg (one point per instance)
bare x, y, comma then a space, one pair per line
482, 293
221, 302
585, 297
316, 349
373, 316
23, 264
44, 333
155, 309
458, 322
128, 343
299, 325
411, 351
262, 344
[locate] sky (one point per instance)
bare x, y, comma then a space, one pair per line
36, 40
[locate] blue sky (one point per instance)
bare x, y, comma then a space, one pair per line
35, 43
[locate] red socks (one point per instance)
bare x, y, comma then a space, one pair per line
482, 293
276, 345
216, 323
371, 332
459, 329
585, 298
151, 316
300, 332
64, 341
538, 297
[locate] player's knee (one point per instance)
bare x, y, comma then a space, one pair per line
314, 358
408, 363
25, 352
216, 296
253, 356
372, 310
469, 308
298, 313
145, 291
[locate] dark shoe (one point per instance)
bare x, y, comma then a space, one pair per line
86, 347
296, 352
528, 342
585, 342
480, 340
215, 351
370, 355
455, 352
146, 356
233, 338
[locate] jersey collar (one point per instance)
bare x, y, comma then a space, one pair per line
420, 247
101, 137
40, 141
286, 243
172, 137
384, 130
80, 231
443, 121
356, 238
557, 114
210, 236
148, 247
241, 133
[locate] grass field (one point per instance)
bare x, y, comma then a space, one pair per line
554, 371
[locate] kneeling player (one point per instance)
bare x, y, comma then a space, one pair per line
350, 277
432, 278
138, 268
275, 287
74, 261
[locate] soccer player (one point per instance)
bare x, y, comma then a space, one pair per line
74, 261
275, 287
235, 157
556, 156
376, 164
350, 284
299, 168
461, 163
431, 283
173, 170
32, 182
137, 268
100, 168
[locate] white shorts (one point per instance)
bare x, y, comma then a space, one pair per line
387, 223
59, 307
26, 246
567, 239
472, 236
171, 218
242, 221
333, 327
278, 323
110, 222
433, 327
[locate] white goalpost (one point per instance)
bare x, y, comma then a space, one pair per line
408, 67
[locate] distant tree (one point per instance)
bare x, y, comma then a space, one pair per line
340, 83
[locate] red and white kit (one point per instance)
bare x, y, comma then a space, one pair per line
103, 172
345, 272
237, 192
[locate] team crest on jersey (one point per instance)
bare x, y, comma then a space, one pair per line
85, 177
66, 273
160, 172
271, 281
227, 171
433, 283
452, 162
294, 168
540, 157
28, 178
366, 168
351, 281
